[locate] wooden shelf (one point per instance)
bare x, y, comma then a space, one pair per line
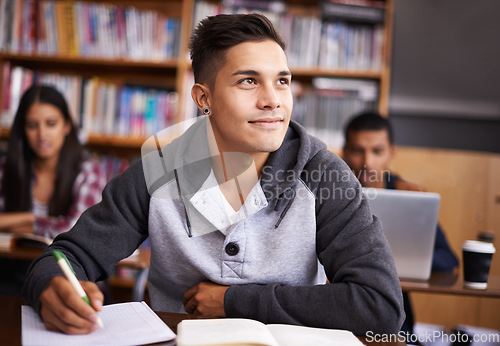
117, 281
319, 72
168, 63
116, 141
92, 65
100, 140
175, 74
43, 61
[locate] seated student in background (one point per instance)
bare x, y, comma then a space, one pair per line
259, 243
45, 180
368, 150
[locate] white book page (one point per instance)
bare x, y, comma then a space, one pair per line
289, 335
131, 323
223, 331
5, 240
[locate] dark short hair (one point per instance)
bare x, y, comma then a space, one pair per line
369, 121
214, 35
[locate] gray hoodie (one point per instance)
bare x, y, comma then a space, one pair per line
306, 221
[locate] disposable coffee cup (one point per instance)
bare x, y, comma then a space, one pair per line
477, 257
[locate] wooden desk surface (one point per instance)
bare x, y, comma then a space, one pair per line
452, 283
23, 253
10, 321
139, 260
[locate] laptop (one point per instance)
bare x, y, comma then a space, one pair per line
409, 220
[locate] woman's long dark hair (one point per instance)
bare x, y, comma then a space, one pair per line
20, 157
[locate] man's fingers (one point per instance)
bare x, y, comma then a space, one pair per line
205, 298
72, 300
190, 305
94, 293
63, 309
188, 295
55, 322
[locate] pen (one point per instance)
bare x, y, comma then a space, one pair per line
68, 271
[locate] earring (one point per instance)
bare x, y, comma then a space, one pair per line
206, 111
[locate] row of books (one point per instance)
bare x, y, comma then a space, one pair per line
364, 11
325, 108
87, 29
127, 111
313, 41
99, 107
17, 79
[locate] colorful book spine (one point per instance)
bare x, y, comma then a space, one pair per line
325, 41
325, 109
88, 29
354, 10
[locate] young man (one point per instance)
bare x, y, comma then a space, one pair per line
368, 150
247, 215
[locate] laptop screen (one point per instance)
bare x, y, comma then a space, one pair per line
409, 220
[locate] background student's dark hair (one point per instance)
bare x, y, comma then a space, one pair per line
20, 157
367, 121
216, 34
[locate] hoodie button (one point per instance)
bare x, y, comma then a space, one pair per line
232, 249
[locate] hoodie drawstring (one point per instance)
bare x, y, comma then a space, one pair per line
188, 223
288, 195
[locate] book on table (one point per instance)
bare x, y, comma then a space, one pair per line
13, 240
241, 331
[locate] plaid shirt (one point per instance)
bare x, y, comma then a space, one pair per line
87, 190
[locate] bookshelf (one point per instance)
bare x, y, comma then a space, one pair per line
116, 59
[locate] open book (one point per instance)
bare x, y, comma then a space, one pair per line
131, 323
12, 240
240, 331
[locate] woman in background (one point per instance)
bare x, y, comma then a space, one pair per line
46, 182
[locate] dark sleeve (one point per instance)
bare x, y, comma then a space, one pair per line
443, 260
364, 293
104, 234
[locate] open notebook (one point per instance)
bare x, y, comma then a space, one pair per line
131, 323
244, 332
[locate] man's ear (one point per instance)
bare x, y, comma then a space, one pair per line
393, 149
201, 96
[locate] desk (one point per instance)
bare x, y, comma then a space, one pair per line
452, 283
139, 260
22, 253
10, 321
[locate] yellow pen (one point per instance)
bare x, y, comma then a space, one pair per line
68, 271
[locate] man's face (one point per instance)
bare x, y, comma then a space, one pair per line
251, 101
368, 153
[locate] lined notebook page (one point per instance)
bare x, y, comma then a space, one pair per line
131, 323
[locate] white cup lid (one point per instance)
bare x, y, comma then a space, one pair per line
478, 246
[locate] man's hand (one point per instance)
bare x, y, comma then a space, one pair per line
206, 299
62, 309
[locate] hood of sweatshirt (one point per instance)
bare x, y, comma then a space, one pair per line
285, 166
187, 159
